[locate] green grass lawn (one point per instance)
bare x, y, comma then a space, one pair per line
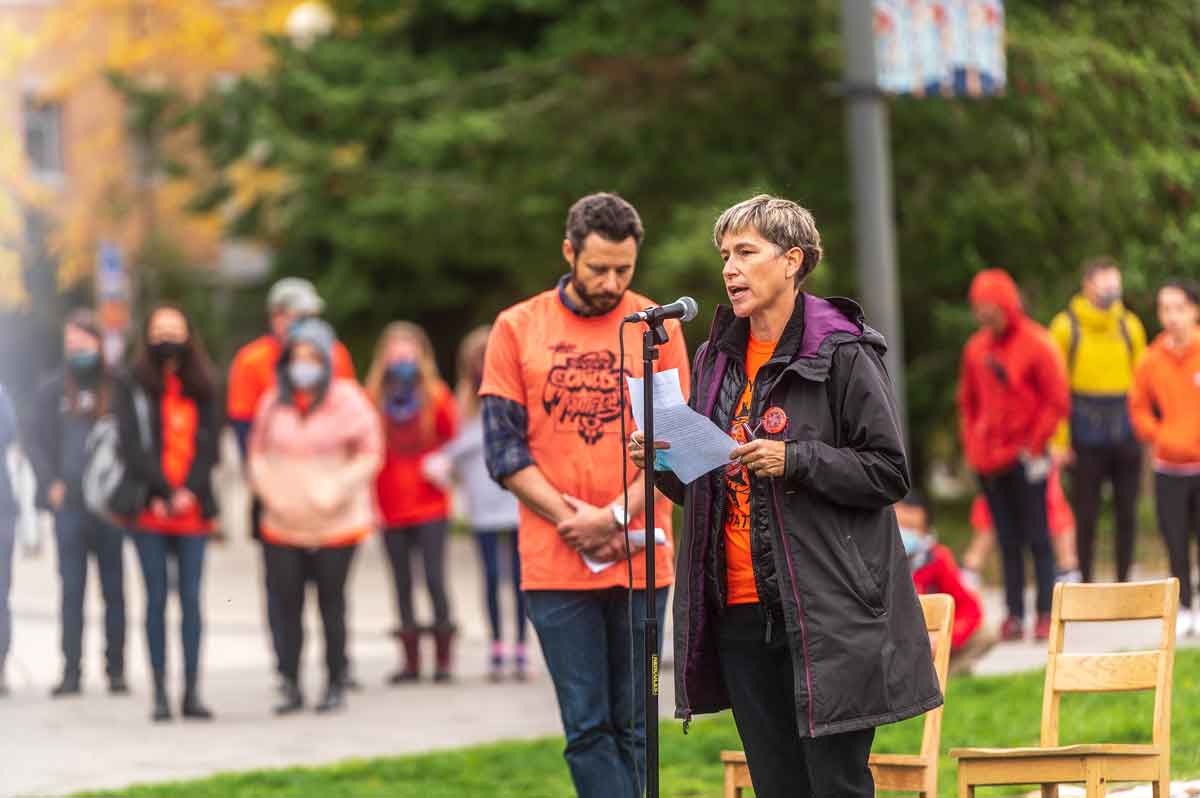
992, 711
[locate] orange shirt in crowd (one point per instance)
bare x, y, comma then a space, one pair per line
406, 496
564, 369
180, 420
739, 565
1164, 403
253, 374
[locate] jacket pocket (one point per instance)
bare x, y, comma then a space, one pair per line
864, 584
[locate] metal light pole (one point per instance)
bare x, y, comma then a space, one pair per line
871, 175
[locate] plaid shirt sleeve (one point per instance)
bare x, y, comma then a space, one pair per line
505, 436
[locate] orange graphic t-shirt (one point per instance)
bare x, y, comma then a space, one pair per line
564, 369
739, 566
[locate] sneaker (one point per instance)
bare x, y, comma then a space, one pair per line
1185, 623
520, 663
1042, 630
496, 662
1072, 577
117, 685
1013, 630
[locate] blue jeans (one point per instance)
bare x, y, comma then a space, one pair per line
77, 533
489, 542
7, 540
153, 549
586, 643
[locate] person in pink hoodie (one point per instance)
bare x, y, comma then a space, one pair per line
316, 447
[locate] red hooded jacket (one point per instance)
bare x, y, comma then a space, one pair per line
1013, 389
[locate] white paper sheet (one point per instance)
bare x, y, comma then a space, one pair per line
637, 537
697, 444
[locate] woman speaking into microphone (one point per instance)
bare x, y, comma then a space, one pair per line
794, 604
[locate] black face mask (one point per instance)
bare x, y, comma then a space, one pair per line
163, 351
84, 366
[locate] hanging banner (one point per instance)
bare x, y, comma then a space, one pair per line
940, 47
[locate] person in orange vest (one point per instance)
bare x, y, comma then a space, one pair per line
1165, 407
253, 375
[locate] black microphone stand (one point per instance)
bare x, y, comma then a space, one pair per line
654, 337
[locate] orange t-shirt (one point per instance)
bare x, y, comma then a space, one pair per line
564, 369
253, 374
739, 566
180, 419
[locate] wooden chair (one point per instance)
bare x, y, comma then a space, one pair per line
1094, 765
892, 772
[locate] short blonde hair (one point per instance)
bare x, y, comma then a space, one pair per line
782, 222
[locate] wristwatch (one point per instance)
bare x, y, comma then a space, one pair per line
618, 514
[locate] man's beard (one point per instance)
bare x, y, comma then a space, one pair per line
594, 304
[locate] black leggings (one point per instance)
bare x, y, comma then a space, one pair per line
1122, 466
288, 570
1177, 500
1019, 512
431, 538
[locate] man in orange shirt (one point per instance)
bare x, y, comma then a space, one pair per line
253, 374
1164, 405
551, 405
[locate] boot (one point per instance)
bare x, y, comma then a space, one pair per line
410, 645
162, 707
117, 684
444, 652
335, 697
69, 685
192, 708
293, 699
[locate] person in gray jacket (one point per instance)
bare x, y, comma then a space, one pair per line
8, 528
794, 604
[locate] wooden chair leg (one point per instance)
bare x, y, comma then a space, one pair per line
965, 790
1156, 788
1095, 786
731, 788
1049, 791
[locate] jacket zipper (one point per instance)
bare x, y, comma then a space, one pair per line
687, 632
799, 606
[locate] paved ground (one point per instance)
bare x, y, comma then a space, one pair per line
53, 747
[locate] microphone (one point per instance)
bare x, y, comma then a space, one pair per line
684, 309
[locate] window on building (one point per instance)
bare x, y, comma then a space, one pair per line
43, 135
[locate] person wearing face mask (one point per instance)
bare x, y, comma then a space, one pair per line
314, 450
67, 405
173, 376
419, 418
935, 571
491, 510
253, 373
1102, 342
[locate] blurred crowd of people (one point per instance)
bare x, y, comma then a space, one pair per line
128, 454
1084, 399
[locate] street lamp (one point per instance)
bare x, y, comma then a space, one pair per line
308, 22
